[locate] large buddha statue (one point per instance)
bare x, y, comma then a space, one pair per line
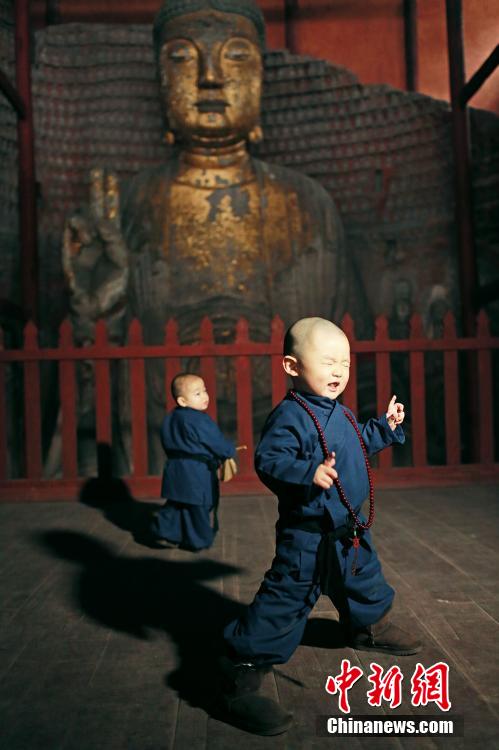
212, 231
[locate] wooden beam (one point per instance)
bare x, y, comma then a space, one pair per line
290, 8
462, 171
480, 76
11, 94
411, 44
468, 273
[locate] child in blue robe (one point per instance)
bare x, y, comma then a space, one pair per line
311, 455
195, 448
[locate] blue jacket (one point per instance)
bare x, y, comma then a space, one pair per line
190, 480
289, 453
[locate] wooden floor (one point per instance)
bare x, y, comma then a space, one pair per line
108, 645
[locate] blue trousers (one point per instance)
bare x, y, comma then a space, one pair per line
186, 525
273, 625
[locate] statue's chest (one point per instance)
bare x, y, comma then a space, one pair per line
215, 237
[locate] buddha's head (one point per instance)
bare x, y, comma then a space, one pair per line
209, 55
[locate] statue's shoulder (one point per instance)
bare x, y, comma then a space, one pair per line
150, 181
309, 189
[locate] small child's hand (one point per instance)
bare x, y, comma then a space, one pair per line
395, 413
325, 474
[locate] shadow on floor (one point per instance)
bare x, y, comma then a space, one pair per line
322, 632
135, 595
113, 498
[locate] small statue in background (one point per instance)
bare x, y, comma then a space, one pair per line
402, 309
212, 231
438, 306
95, 262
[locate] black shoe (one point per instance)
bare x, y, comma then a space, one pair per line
241, 705
386, 638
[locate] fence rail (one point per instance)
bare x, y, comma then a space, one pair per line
33, 485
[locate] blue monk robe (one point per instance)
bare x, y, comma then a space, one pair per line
194, 447
286, 459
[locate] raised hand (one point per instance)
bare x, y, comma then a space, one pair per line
95, 258
395, 413
325, 474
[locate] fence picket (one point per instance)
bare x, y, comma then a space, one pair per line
244, 397
279, 377
172, 364
418, 402
383, 382
68, 399
32, 410
208, 367
485, 394
102, 387
350, 392
138, 405
451, 394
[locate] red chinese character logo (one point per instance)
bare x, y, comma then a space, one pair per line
342, 683
431, 685
386, 688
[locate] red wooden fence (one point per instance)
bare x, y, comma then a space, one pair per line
33, 485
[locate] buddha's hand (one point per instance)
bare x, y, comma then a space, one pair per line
94, 254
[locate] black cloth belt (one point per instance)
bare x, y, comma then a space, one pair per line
316, 525
211, 463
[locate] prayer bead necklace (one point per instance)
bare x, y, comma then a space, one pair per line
337, 483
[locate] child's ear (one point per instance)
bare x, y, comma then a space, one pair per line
181, 401
290, 365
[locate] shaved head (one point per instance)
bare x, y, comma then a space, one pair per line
189, 389
307, 330
317, 357
180, 381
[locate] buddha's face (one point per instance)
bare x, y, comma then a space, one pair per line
211, 75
